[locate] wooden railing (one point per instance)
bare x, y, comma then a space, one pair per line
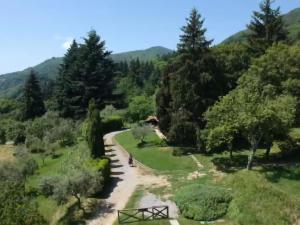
143, 214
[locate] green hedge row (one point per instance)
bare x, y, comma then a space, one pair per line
111, 124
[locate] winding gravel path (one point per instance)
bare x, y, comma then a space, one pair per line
125, 179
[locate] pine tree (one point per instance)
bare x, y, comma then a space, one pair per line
94, 134
266, 28
97, 70
34, 104
189, 84
193, 37
87, 72
69, 85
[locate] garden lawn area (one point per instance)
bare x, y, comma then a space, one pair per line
266, 195
154, 155
48, 207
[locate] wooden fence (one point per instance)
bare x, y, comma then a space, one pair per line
143, 214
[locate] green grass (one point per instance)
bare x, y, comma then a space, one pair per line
263, 196
155, 156
48, 207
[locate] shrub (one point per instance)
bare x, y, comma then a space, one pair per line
180, 151
16, 132
183, 134
34, 144
202, 203
103, 166
288, 145
111, 124
29, 166
47, 185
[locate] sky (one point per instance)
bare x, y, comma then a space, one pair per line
32, 31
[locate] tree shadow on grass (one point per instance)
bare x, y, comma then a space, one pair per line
230, 165
275, 173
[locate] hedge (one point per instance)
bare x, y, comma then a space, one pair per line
202, 203
111, 124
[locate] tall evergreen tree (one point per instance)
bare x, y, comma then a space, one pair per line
192, 83
266, 28
193, 37
94, 135
87, 72
33, 98
97, 70
69, 85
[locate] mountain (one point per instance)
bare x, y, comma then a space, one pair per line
144, 55
292, 25
11, 83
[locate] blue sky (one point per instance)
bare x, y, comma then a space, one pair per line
32, 31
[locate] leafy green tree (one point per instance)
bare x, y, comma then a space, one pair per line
140, 132
253, 115
15, 206
266, 28
233, 60
140, 108
33, 99
94, 135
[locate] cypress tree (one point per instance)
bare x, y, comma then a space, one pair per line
266, 28
34, 104
94, 134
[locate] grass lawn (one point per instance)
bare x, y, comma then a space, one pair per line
263, 196
48, 207
153, 155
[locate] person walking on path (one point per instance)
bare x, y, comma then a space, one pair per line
130, 160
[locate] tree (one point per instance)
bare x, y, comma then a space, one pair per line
2, 136
234, 60
140, 108
193, 38
266, 28
87, 72
190, 82
94, 134
15, 206
69, 83
253, 115
34, 104
140, 132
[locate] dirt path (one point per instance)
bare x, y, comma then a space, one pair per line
125, 180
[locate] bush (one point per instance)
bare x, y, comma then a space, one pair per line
16, 132
47, 185
288, 145
34, 144
111, 124
183, 134
202, 203
181, 151
103, 166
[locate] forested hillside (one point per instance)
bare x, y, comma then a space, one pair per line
291, 24
11, 83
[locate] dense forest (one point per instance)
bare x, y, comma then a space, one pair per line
207, 100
